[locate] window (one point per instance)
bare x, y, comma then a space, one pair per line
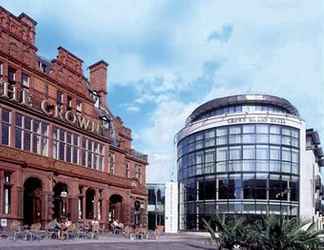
248, 129
31, 134
235, 153
249, 152
294, 190
221, 154
75, 149
138, 173
112, 162
278, 189
59, 98
127, 169
11, 75
7, 193
5, 126
207, 190
25, 79
274, 153
262, 152
210, 138
79, 105
69, 102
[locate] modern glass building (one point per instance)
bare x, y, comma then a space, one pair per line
156, 205
242, 155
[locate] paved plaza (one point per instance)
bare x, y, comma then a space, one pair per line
166, 242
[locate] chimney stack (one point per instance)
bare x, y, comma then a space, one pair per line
98, 79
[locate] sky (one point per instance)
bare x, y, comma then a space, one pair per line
167, 57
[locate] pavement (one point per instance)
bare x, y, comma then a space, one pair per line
107, 242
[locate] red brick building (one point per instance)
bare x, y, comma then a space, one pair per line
62, 152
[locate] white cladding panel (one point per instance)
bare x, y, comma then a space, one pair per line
171, 207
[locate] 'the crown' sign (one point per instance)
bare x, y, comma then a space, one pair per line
23, 97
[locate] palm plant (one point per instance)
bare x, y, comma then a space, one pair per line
230, 232
270, 233
280, 233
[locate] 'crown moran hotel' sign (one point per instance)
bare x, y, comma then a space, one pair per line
23, 97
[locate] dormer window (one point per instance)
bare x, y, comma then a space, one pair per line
105, 121
42, 67
95, 97
60, 98
11, 75
79, 105
69, 102
25, 79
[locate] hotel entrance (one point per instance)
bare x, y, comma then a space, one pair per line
60, 201
32, 201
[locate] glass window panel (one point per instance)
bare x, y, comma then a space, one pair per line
234, 130
199, 137
248, 152
36, 126
248, 186
294, 133
199, 157
249, 138
44, 128
210, 142
221, 154
235, 153
235, 139
286, 140
275, 166
262, 138
210, 156
294, 168
294, 191
260, 191
285, 167
210, 134
221, 140
221, 131
199, 144
61, 151
286, 131
274, 129
262, 165
277, 189
286, 154
262, 152
248, 166
295, 156
18, 120
248, 129
234, 166
27, 123
221, 167
5, 116
294, 142
27, 140
275, 139
262, 129
274, 153
5, 134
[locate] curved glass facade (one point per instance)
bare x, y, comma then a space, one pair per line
246, 169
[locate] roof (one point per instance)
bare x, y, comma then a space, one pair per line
243, 99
